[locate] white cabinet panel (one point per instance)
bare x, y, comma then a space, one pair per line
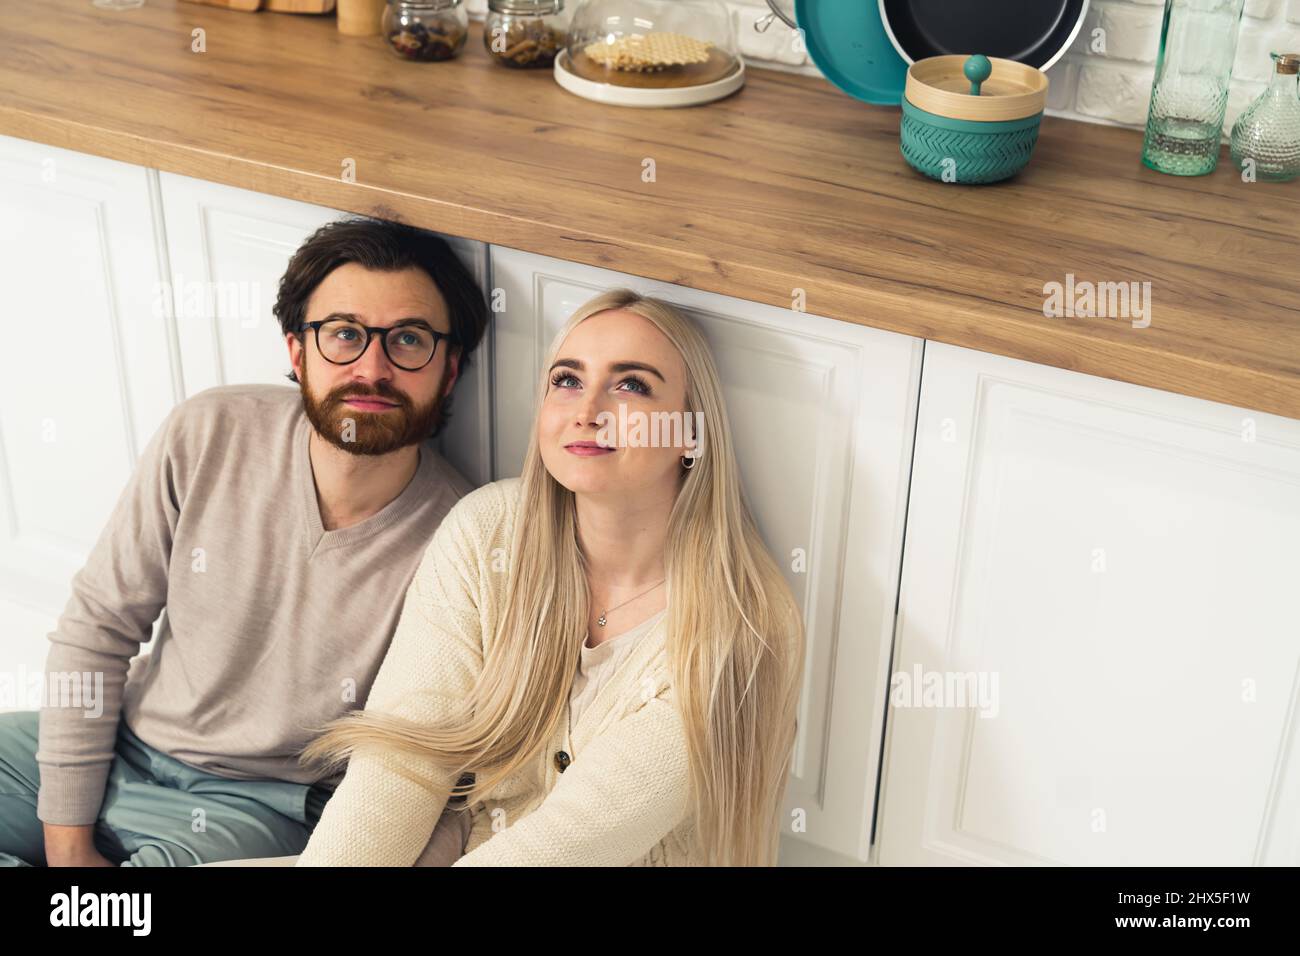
89, 375
229, 248
822, 414
1118, 565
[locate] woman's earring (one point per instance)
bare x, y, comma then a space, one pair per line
688, 462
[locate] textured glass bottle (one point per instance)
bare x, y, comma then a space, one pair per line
1198, 40
1268, 132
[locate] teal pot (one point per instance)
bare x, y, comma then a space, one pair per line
971, 119
966, 151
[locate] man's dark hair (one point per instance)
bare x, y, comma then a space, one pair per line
386, 247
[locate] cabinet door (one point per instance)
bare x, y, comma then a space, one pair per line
88, 376
229, 248
1098, 641
823, 415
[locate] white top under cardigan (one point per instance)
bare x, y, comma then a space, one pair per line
597, 664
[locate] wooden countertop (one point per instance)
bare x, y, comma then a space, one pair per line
787, 184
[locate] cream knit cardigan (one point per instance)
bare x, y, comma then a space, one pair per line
623, 799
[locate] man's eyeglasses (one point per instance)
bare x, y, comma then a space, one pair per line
409, 347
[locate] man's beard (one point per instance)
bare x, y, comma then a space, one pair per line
370, 433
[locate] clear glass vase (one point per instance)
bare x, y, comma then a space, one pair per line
1189, 97
1267, 135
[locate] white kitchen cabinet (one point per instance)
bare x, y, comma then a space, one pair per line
1124, 562
90, 371
228, 248
822, 414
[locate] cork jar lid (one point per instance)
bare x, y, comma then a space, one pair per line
989, 89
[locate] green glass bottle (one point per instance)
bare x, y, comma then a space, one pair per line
1266, 137
1198, 40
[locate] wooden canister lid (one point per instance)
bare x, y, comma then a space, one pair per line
1009, 90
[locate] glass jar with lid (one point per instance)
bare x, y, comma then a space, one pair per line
425, 30
525, 33
1266, 137
650, 52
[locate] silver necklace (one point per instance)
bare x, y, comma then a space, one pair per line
601, 620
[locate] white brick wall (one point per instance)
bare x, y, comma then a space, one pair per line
1106, 78
1099, 82
1110, 81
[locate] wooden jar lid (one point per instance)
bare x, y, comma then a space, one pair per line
1008, 90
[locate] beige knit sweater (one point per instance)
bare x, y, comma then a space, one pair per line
621, 801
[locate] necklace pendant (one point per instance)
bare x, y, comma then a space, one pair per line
601, 620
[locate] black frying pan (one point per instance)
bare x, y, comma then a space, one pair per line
1034, 32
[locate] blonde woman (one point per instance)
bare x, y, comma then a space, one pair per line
603, 643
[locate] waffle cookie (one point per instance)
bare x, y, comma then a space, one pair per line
649, 51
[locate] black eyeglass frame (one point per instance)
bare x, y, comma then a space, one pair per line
372, 331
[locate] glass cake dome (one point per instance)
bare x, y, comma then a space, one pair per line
650, 52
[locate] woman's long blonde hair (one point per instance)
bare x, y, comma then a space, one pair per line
735, 638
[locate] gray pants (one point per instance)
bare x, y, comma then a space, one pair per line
157, 811
148, 815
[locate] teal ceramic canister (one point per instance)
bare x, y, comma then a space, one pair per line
971, 119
